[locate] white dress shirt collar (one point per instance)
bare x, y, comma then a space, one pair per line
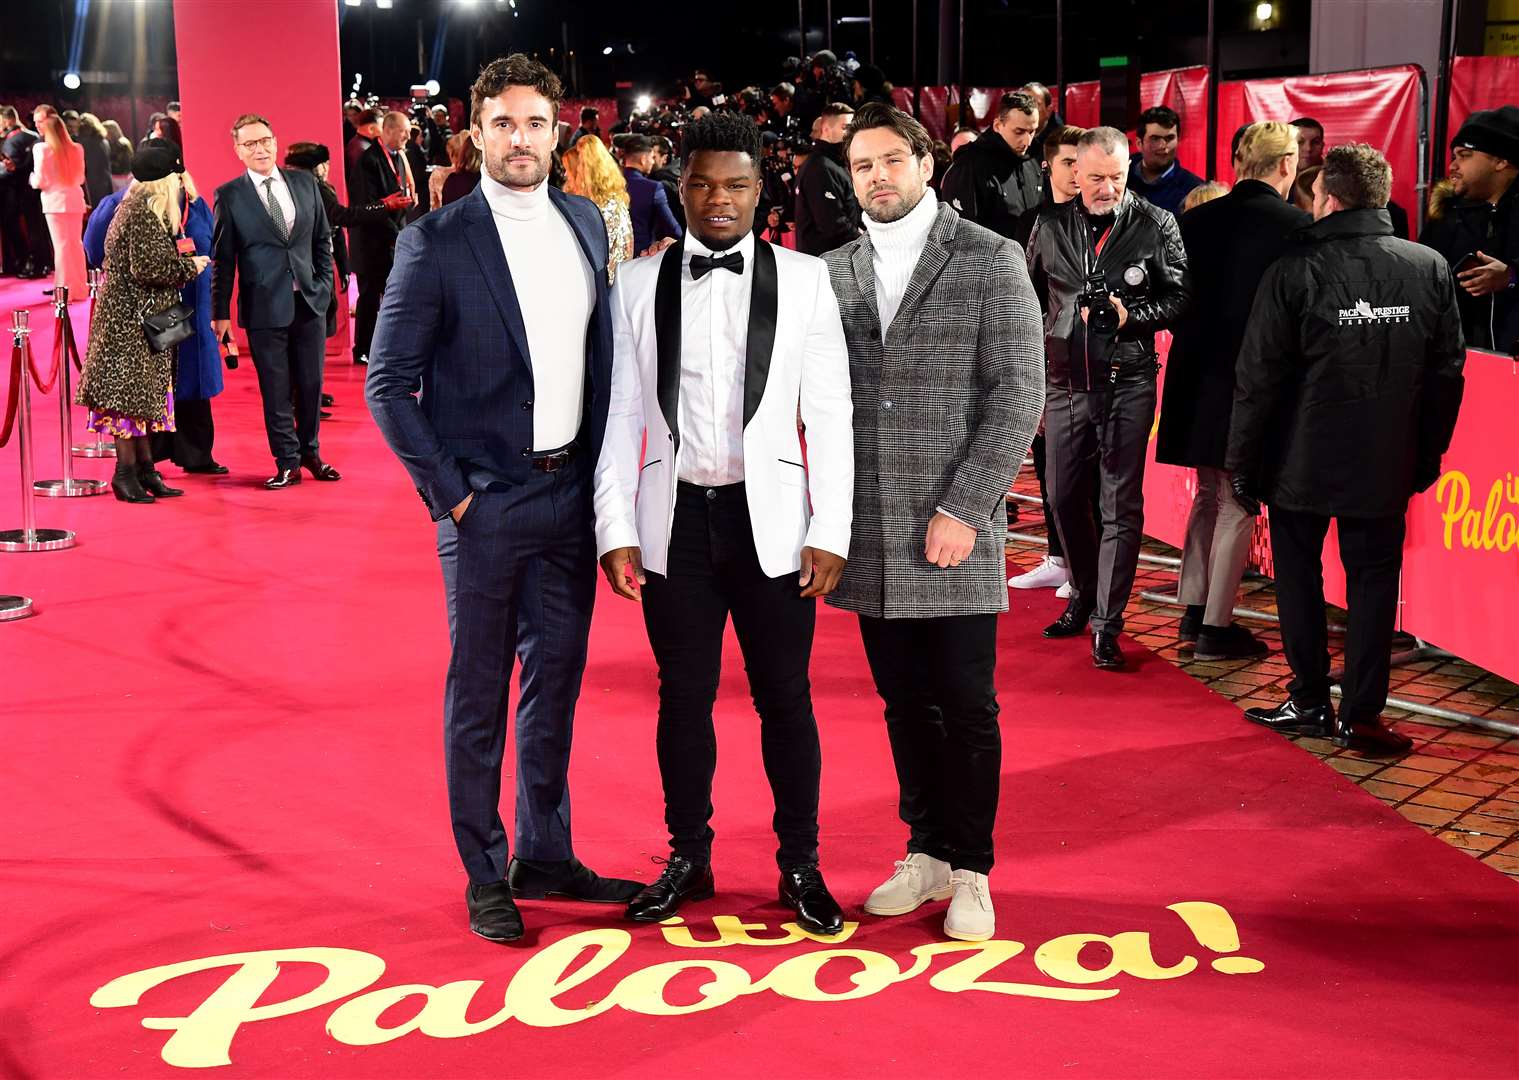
258, 181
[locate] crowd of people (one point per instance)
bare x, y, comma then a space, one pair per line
621, 336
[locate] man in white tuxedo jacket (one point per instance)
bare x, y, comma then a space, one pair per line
717, 341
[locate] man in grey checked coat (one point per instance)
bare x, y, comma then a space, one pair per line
946, 360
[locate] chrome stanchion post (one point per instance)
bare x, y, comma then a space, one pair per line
68, 487
102, 446
28, 537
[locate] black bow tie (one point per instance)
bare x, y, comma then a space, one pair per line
701, 265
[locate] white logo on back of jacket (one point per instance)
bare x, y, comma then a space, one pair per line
1364, 313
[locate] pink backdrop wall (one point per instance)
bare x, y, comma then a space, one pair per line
287, 68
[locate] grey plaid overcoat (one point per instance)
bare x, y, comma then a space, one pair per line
944, 410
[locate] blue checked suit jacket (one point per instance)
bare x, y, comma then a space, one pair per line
450, 326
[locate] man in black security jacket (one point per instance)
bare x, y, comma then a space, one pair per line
1100, 402
995, 180
1230, 244
1349, 383
827, 213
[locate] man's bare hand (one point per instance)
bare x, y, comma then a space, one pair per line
949, 542
457, 513
821, 571
1490, 276
624, 570
656, 247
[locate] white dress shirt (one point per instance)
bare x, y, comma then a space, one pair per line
281, 195
714, 333
556, 293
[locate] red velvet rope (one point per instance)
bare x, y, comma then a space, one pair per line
73, 346
13, 395
46, 386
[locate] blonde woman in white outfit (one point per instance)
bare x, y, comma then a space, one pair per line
58, 172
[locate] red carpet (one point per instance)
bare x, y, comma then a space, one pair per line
222, 739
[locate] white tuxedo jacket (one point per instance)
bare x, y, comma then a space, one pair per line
796, 354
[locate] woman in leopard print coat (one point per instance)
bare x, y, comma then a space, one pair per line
126, 385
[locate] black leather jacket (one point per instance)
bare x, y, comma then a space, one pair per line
1061, 255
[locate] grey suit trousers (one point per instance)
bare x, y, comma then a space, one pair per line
1109, 429
1216, 549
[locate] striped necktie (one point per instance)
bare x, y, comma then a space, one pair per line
281, 226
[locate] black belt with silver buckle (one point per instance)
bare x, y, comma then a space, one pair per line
554, 460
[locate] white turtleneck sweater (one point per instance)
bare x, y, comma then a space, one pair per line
556, 293
895, 248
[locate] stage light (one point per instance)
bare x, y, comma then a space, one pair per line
433, 87
352, 3
644, 103
607, 51
1263, 12
384, 4
71, 80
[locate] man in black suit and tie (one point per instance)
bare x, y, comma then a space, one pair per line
382, 170
497, 310
270, 229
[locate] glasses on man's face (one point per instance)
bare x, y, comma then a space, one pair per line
266, 143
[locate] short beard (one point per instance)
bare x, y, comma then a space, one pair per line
498, 169
907, 204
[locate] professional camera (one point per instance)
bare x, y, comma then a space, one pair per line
1102, 316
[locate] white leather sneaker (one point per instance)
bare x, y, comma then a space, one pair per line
1049, 574
916, 880
970, 916
1064, 592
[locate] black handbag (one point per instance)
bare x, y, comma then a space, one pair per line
167, 328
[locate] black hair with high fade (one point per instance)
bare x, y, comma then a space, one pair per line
722, 131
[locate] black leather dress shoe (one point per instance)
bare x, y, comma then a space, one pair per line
1232, 642
320, 469
1072, 621
571, 879
211, 469
1105, 651
327, 401
1370, 738
1191, 622
492, 913
1290, 718
803, 891
682, 880
283, 479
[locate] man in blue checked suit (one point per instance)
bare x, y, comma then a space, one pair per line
496, 309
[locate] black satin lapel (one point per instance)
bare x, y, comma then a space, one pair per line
667, 336
764, 302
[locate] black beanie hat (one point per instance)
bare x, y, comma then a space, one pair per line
151, 162
307, 155
1491, 131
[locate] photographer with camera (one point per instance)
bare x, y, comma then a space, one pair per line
1110, 270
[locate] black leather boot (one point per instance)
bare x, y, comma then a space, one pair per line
153, 483
126, 485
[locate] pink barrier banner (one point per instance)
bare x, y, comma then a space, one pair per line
1377, 106
1461, 559
1479, 82
1185, 90
1083, 103
1461, 562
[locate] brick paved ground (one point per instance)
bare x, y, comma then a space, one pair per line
1460, 782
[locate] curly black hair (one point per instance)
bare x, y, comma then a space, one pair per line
721, 130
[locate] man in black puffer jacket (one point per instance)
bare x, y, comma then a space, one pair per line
1100, 400
996, 180
1346, 396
